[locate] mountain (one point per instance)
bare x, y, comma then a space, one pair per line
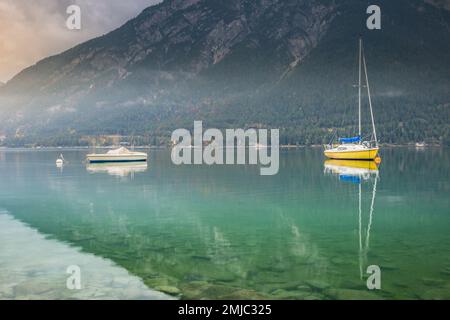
287, 64
445, 4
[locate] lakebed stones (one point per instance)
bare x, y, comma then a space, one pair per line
194, 289
168, 289
446, 271
244, 294
436, 294
216, 291
318, 284
389, 267
339, 261
352, 284
203, 289
193, 277
351, 294
314, 296
156, 282
433, 282
225, 277
34, 287
6, 292
290, 294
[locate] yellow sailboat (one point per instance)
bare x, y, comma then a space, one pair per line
355, 148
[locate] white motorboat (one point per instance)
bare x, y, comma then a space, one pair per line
117, 155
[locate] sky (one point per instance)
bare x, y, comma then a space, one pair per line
33, 30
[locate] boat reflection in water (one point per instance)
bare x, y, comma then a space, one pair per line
358, 172
352, 170
119, 169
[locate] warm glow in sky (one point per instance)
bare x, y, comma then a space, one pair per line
32, 30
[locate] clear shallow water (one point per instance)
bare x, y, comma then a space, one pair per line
227, 232
34, 267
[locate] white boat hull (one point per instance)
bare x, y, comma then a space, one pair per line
102, 158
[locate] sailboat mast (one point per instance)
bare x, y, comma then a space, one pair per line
370, 101
359, 88
360, 232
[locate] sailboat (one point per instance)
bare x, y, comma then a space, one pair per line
355, 148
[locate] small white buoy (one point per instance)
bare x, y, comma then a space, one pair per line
60, 161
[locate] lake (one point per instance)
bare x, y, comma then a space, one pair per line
158, 231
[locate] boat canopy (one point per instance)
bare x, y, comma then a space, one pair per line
120, 150
350, 140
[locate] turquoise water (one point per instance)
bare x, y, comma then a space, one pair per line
225, 231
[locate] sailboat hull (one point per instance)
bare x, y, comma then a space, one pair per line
368, 154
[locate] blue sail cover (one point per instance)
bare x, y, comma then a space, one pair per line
348, 178
350, 140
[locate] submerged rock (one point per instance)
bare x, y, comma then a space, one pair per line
350, 294
400, 285
33, 287
291, 294
206, 290
194, 289
204, 258
216, 291
193, 277
244, 294
388, 267
446, 271
6, 293
314, 297
436, 294
338, 261
168, 289
294, 285
318, 284
353, 284
433, 282
303, 287
156, 282
224, 277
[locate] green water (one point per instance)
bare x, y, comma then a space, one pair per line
227, 232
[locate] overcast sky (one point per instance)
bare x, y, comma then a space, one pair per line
32, 30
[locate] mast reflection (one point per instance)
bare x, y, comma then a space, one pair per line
358, 172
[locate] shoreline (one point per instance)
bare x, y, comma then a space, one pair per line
168, 147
